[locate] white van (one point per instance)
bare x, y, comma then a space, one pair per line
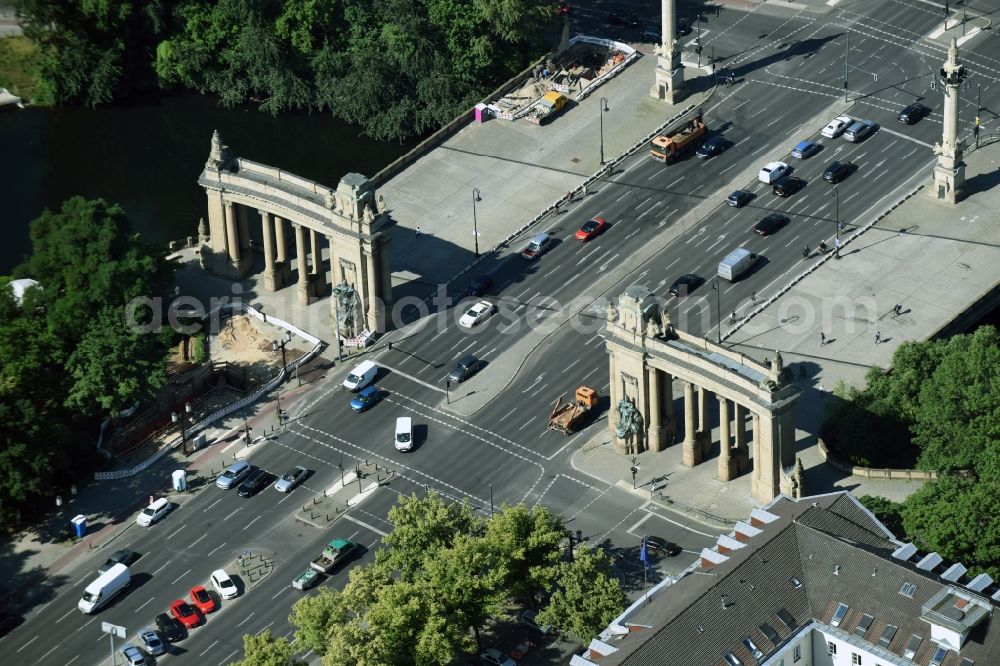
361, 376
108, 585
736, 264
153, 512
403, 439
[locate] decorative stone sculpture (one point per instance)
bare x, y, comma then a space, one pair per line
349, 315
380, 204
368, 214
666, 322
653, 329
329, 200
612, 312
629, 422
203, 236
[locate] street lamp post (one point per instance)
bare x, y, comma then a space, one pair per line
475, 226
836, 243
181, 418
718, 309
604, 108
847, 52
281, 412
275, 345
697, 41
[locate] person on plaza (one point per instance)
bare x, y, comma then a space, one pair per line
822, 338
416, 234
878, 337
732, 318
753, 298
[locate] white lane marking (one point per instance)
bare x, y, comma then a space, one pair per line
65, 614
241, 623
223, 544
903, 136
42, 658
365, 525
211, 505
279, 593
680, 525
214, 643
233, 513
169, 536
144, 605
27, 644
161, 568
226, 660
252, 522
174, 581
198, 539
413, 379
675, 182
638, 524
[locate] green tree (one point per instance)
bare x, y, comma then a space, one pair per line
587, 596
956, 517
530, 543
421, 526
263, 649
887, 511
314, 615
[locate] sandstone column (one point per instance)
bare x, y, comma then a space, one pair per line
271, 279
741, 453
284, 266
300, 254
614, 395
726, 466
232, 238
669, 72
691, 455
371, 280
704, 433
949, 172
654, 434
764, 483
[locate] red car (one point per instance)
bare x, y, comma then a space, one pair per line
184, 613
201, 598
595, 227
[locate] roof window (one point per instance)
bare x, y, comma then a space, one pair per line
838, 615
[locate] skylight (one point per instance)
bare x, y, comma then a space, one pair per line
863, 625
787, 619
912, 646
939, 656
908, 589
887, 635
838, 615
796, 583
770, 633
753, 649
733, 659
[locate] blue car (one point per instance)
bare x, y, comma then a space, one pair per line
365, 399
805, 149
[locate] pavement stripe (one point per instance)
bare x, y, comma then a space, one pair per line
374, 529
903, 136
413, 379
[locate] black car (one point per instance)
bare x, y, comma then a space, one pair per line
669, 548
256, 481
479, 286
712, 147
685, 284
465, 368
837, 171
786, 186
624, 19
770, 224
170, 628
913, 113
123, 556
739, 198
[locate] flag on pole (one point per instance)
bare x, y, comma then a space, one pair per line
642, 551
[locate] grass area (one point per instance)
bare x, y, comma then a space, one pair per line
18, 58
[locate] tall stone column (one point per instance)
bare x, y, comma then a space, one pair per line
243, 226
232, 237
669, 71
654, 433
284, 265
727, 467
372, 307
272, 282
300, 255
704, 434
692, 453
949, 172
764, 483
614, 395
741, 454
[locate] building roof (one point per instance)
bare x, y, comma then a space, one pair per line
814, 555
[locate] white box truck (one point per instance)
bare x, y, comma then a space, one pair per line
736, 264
108, 585
361, 376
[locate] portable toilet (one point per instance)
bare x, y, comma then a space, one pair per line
79, 526
179, 478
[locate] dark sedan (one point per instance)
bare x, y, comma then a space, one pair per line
256, 481
739, 198
685, 284
170, 628
913, 113
712, 147
837, 171
479, 285
770, 224
465, 368
123, 556
787, 186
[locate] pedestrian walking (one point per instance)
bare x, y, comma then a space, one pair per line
753, 298
390, 345
878, 337
732, 319
822, 338
416, 234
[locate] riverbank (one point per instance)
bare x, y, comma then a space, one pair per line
18, 61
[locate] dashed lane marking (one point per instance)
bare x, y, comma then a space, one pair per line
374, 529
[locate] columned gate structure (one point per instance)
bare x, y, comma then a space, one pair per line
351, 218
647, 354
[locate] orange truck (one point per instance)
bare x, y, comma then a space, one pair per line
565, 417
669, 147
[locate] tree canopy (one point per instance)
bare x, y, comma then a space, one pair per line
443, 575
67, 358
396, 67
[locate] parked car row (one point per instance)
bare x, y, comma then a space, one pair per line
250, 480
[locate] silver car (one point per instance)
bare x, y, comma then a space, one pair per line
859, 131
151, 642
133, 655
233, 475
290, 479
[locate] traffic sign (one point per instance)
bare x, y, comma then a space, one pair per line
113, 629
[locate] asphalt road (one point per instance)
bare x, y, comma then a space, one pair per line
790, 68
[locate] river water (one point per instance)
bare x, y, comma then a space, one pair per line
147, 156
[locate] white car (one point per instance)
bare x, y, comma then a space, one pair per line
772, 171
403, 439
154, 512
496, 658
479, 312
837, 126
223, 584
